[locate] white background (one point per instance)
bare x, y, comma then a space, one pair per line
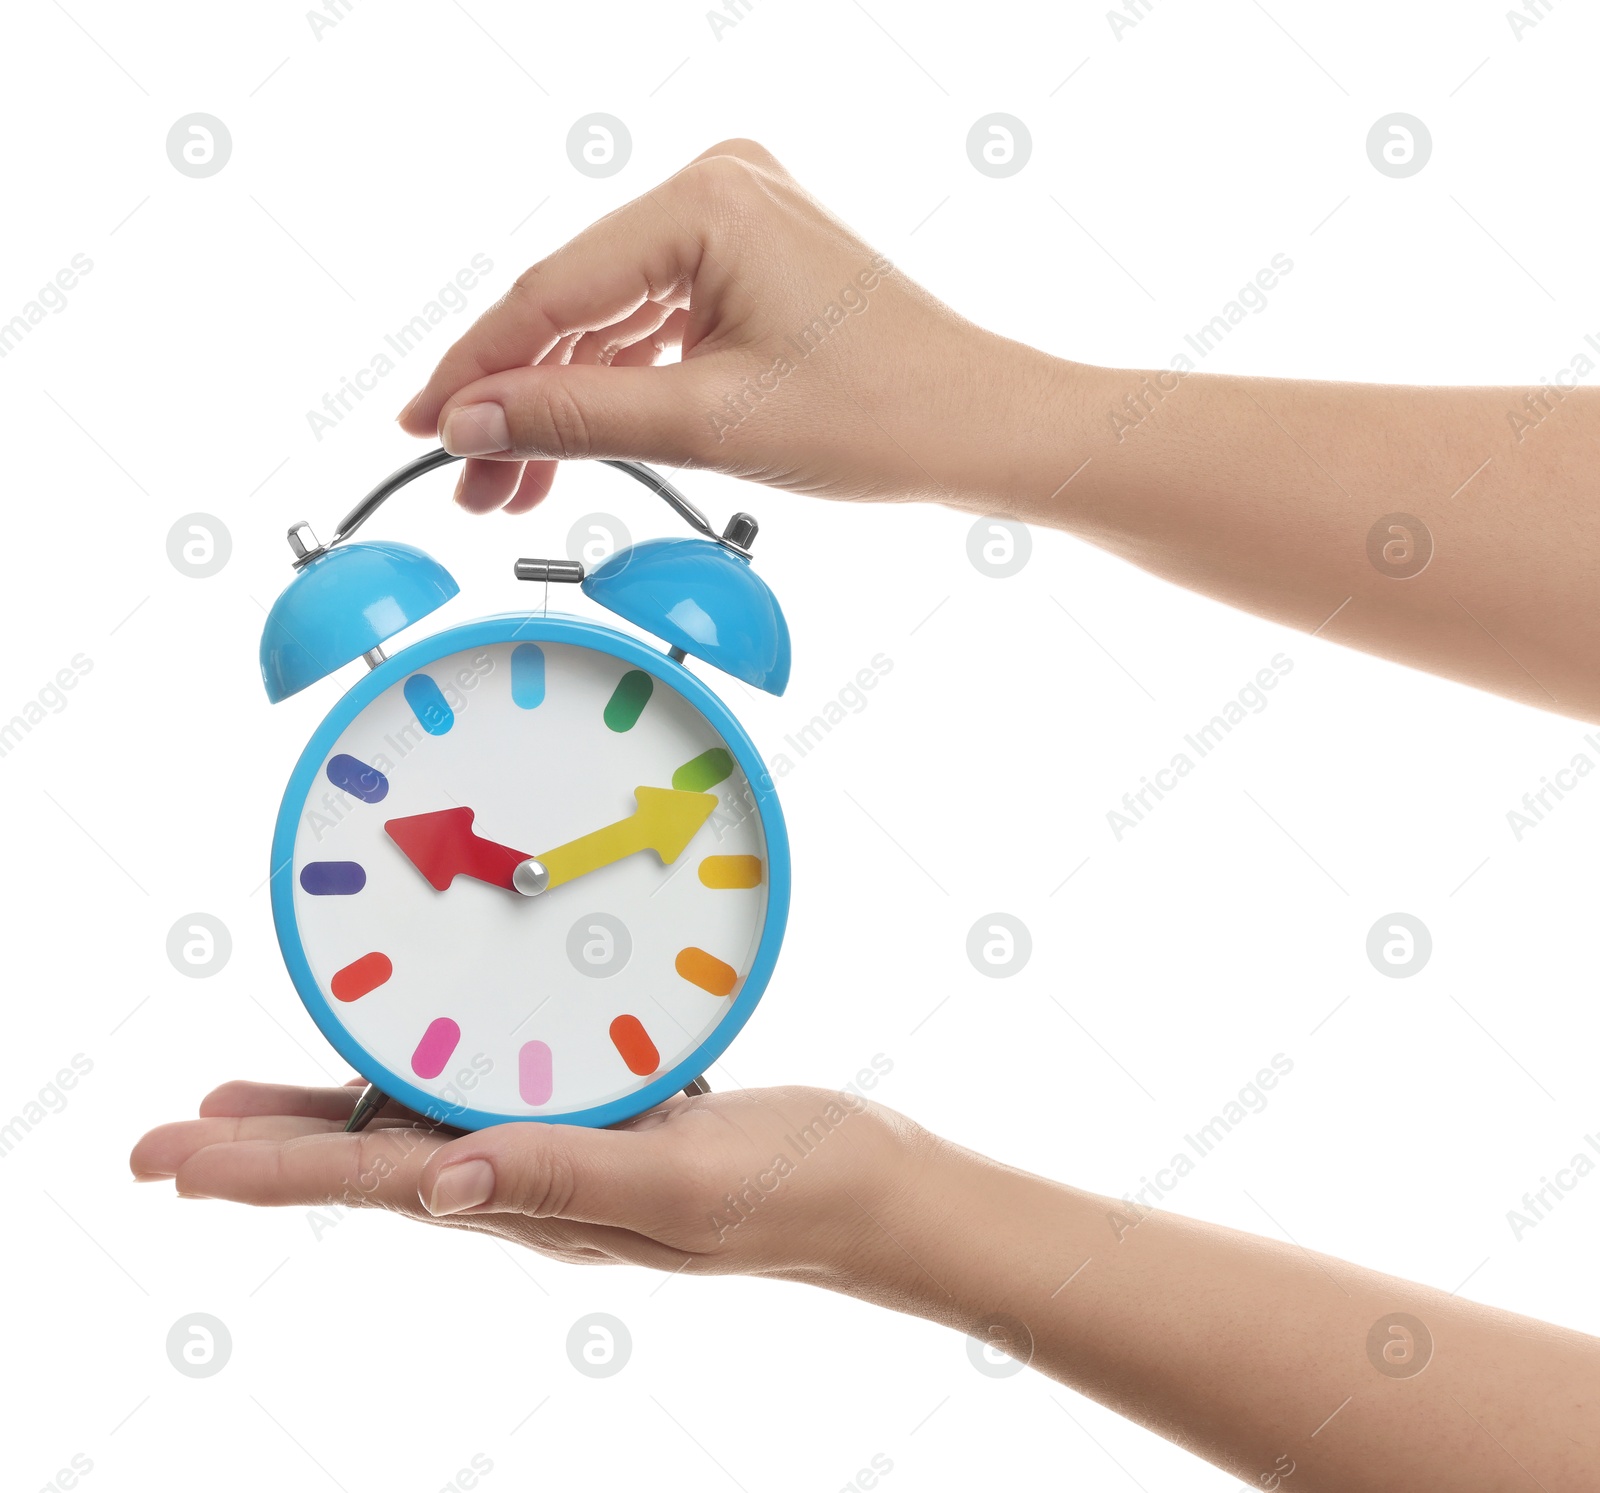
367, 168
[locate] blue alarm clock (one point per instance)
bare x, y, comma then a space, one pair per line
530, 867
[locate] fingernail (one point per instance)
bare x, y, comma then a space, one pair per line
476, 430
462, 1186
411, 404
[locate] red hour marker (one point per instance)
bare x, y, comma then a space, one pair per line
361, 978
630, 1038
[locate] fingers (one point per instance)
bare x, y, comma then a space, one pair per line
486, 485
600, 348
642, 252
241, 1097
272, 1144
374, 1168
276, 1144
284, 1161
732, 263
653, 414
537, 477
666, 338
637, 342
167, 1147
616, 1178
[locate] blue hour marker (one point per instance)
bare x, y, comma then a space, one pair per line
332, 878
354, 776
427, 703
527, 675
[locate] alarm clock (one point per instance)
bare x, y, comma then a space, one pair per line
531, 867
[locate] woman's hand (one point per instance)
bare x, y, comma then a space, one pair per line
1236, 1347
778, 1181
808, 361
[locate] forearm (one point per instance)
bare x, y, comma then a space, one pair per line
1263, 493
1249, 1352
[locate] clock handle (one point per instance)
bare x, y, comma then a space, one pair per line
386, 489
738, 536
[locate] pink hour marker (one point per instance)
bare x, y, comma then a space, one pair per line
434, 1050
534, 1075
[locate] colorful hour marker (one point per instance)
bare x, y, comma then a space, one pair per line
434, 1050
630, 1039
704, 772
428, 704
352, 775
361, 978
707, 971
527, 676
534, 1075
724, 872
628, 700
332, 878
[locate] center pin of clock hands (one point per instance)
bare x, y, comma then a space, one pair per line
531, 878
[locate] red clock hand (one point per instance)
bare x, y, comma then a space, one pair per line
442, 846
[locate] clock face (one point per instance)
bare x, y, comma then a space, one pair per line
529, 879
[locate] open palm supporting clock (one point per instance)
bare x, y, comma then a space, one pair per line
530, 867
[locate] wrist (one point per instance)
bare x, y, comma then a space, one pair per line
1028, 423
962, 1240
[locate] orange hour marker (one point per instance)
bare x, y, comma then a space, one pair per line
706, 971
630, 1039
723, 872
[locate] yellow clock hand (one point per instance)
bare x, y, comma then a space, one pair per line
665, 821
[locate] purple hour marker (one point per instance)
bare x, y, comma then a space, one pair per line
352, 775
332, 878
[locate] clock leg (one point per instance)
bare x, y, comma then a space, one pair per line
371, 1101
699, 1086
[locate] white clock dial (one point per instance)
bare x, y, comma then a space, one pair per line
408, 909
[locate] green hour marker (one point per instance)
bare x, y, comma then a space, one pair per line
628, 700
704, 772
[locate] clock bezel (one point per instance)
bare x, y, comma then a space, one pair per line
535, 627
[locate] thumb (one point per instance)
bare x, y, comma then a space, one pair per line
621, 1178
573, 412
